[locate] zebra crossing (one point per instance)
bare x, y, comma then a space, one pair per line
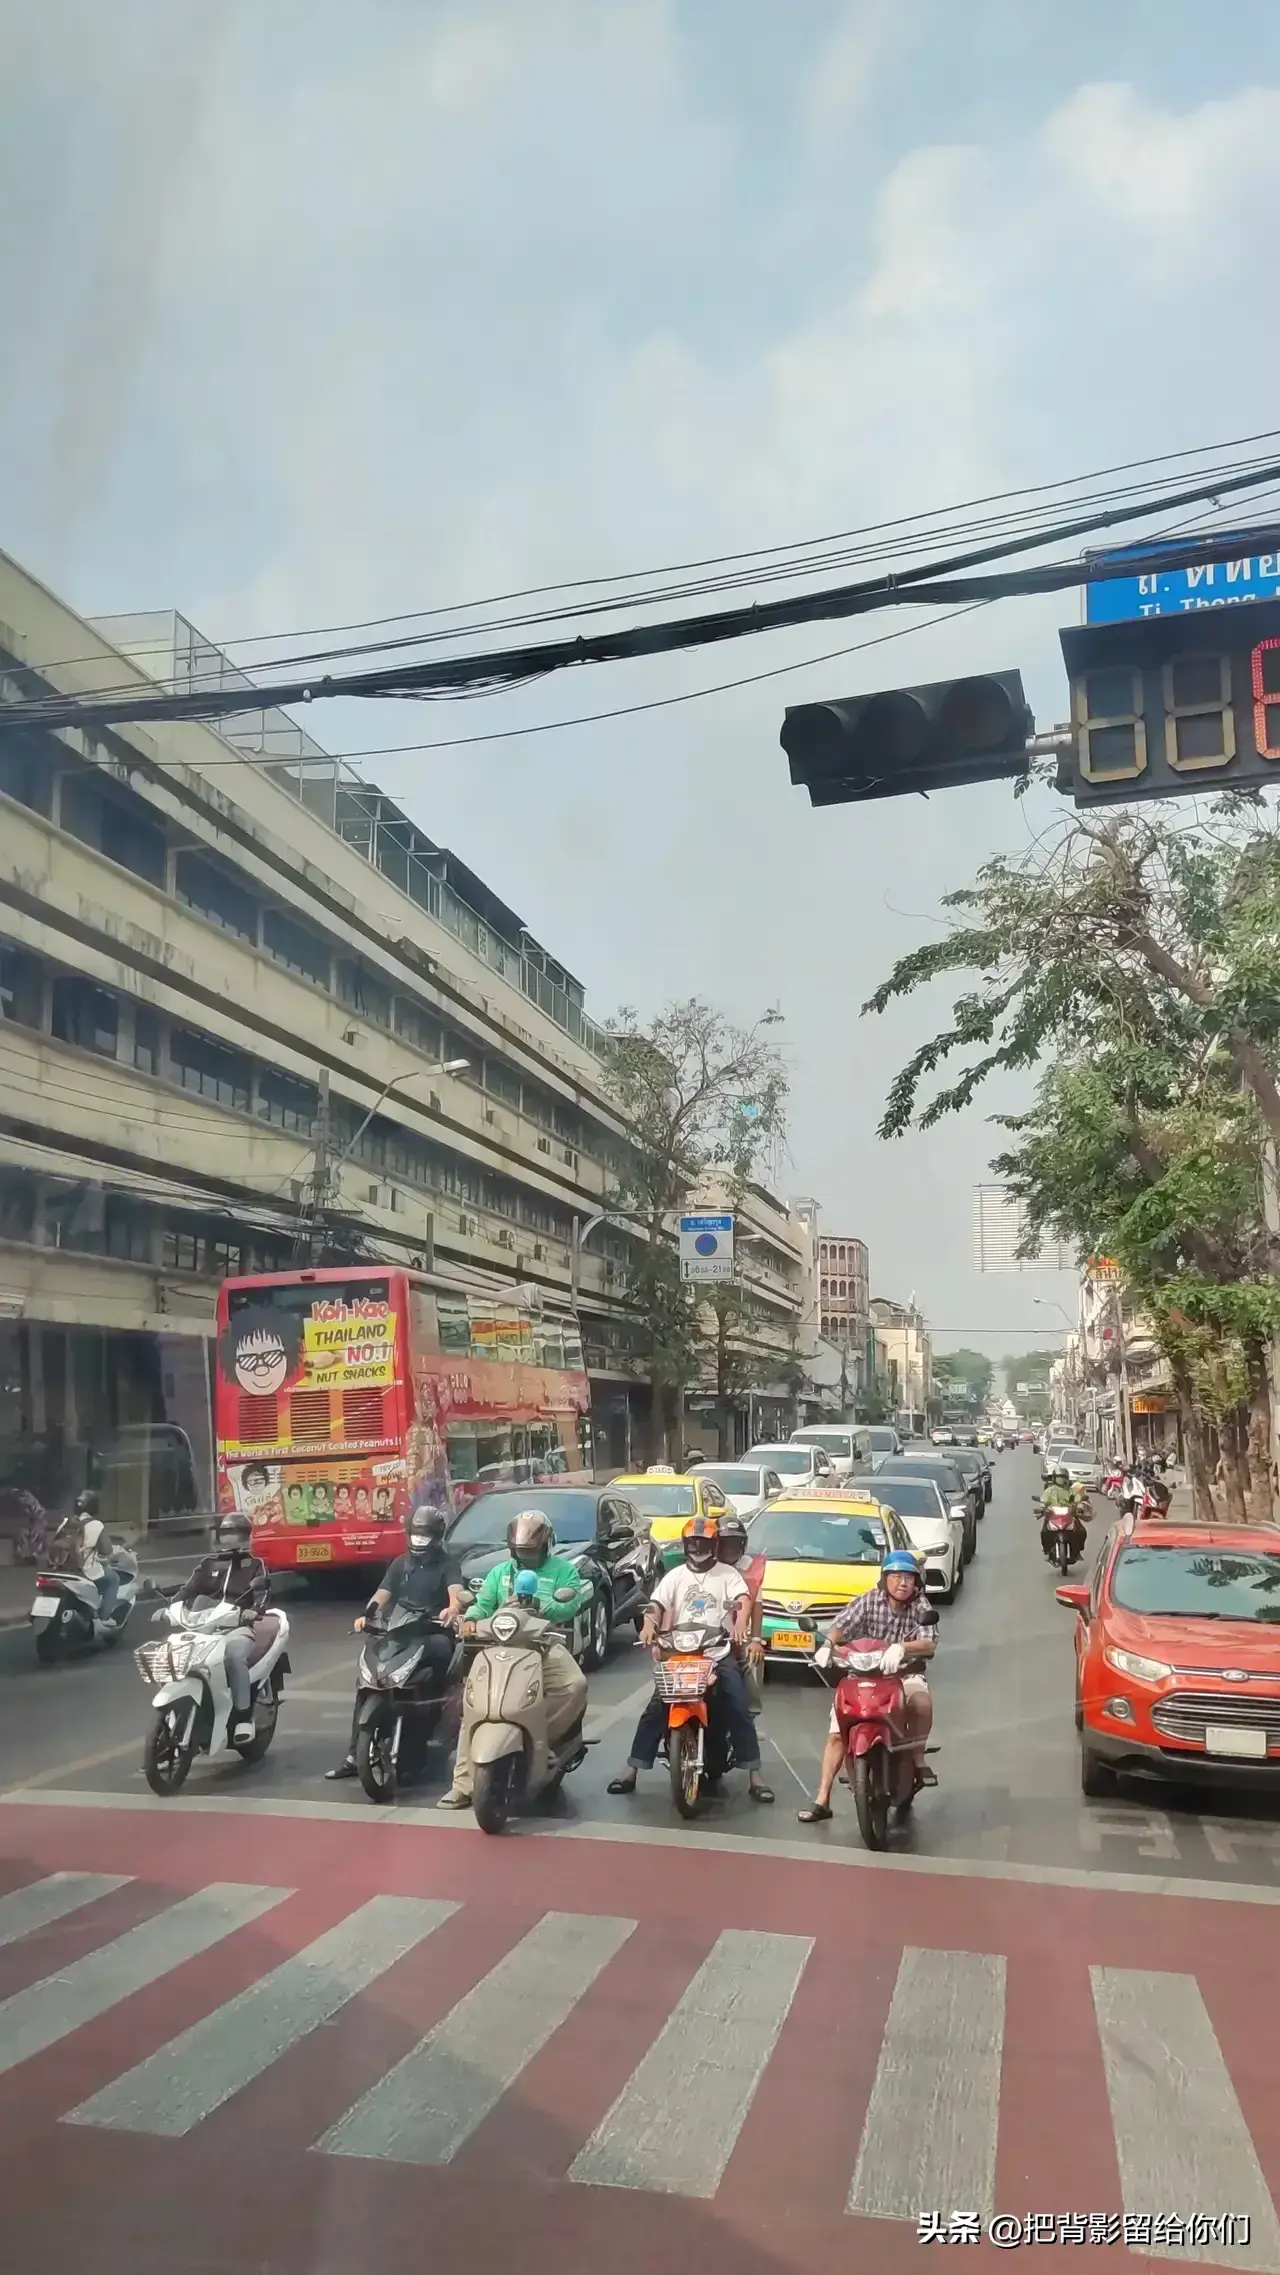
924, 2139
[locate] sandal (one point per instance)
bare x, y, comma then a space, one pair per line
621, 1785
817, 1814
760, 1792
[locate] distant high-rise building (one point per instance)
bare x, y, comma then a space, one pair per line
999, 1228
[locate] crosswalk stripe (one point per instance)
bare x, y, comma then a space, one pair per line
1181, 2140
196, 2072
929, 2141
424, 2109
51, 2009
43, 1901
673, 2126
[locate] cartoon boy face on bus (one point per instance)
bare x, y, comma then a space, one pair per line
260, 1349
321, 1503
382, 1509
342, 1502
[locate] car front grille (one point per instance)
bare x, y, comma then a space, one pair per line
815, 1607
1187, 1714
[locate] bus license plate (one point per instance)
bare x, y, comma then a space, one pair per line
315, 1552
791, 1639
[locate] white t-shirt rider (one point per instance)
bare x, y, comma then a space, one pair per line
684, 1598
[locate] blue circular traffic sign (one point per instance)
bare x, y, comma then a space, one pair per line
706, 1244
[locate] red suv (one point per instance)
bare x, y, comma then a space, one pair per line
1178, 1656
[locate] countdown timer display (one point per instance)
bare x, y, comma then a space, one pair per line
1174, 705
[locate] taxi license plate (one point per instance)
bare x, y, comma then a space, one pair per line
1249, 1745
315, 1552
791, 1639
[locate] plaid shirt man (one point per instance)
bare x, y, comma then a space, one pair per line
878, 1619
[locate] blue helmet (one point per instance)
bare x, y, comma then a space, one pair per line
901, 1560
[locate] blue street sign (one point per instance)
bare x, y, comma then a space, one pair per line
1255, 575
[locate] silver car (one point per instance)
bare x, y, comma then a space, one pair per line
1081, 1466
748, 1486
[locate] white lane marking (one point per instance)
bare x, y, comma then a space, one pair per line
425, 1818
1150, 1828
1181, 2140
51, 2009
185, 2081
423, 2110
930, 2131
43, 1901
673, 2126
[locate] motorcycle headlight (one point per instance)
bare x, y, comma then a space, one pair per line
686, 1639
405, 1669
365, 1672
1133, 1663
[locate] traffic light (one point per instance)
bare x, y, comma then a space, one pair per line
909, 738
1173, 706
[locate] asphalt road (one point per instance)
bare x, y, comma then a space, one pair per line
1008, 1768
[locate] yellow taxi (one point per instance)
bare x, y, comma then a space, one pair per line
820, 1550
667, 1499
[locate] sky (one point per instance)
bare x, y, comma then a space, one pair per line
350, 307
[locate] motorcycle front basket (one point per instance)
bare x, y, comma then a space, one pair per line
681, 1678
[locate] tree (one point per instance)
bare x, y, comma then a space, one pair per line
742, 1360
966, 1375
1144, 955
702, 1099
1033, 1369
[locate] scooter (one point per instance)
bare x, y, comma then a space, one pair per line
191, 1711
1062, 1535
65, 1613
401, 1699
513, 1761
879, 1761
685, 1665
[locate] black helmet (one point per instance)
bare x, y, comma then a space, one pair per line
733, 1539
425, 1531
234, 1534
87, 1503
700, 1538
530, 1539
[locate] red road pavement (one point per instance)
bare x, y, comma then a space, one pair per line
246, 2190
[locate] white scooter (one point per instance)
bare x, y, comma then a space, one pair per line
66, 1613
512, 1760
191, 1709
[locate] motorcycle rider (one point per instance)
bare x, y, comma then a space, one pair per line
416, 1581
734, 1550
697, 1593
561, 1593
234, 1573
891, 1615
97, 1553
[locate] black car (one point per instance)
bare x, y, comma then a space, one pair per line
975, 1468
963, 1494
595, 1528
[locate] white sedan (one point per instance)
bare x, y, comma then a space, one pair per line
748, 1486
795, 1465
936, 1535
1081, 1466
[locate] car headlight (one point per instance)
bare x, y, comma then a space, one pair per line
1133, 1663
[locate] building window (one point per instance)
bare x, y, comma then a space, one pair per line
502, 1081
362, 993
146, 1040
215, 894
224, 1259
17, 1206
21, 987
180, 1251
284, 1100
210, 1069
28, 765
538, 1106
418, 1027
74, 1217
102, 818
128, 1229
85, 1015
296, 946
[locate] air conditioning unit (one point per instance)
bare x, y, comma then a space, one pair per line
506, 1237
489, 1114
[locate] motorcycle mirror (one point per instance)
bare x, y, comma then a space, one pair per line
928, 1616
806, 1624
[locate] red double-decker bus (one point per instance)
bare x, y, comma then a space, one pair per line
346, 1398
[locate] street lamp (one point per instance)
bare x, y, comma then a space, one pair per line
407, 1074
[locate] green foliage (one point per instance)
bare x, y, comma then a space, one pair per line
967, 1375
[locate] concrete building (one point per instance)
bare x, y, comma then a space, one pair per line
844, 1268
218, 951
904, 1360
772, 1264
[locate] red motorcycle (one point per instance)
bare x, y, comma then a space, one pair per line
1062, 1535
871, 1710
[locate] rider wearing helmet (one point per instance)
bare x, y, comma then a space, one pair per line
734, 1549
894, 1615
416, 1581
701, 1592
561, 1593
235, 1574
96, 1553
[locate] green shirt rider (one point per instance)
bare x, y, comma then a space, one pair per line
562, 1593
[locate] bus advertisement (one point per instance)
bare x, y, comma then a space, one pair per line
346, 1398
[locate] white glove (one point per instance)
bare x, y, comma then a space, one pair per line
822, 1656
892, 1658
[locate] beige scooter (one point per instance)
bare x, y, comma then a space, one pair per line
512, 1758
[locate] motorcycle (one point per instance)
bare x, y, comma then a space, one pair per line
1062, 1535
513, 1761
1113, 1483
65, 1614
871, 1710
401, 1699
684, 1675
191, 1711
